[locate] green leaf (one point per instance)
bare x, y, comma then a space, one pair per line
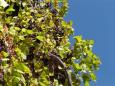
51, 23
18, 78
24, 4
57, 0
5, 54
56, 82
91, 42
1, 27
60, 0
93, 76
24, 30
61, 51
17, 28
25, 68
64, 24
34, 82
44, 78
29, 31
71, 23
21, 37
12, 31
22, 67
78, 38
19, 71
10, 9
41, 38
76, 67
86, 83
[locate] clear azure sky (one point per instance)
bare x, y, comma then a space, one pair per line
95, 19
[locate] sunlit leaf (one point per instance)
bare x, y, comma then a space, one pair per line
3, 3
93, 76
10, 9
22, 67
5, 54
29, 31
86, 83
41, 38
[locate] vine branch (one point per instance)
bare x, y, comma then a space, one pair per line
57, 59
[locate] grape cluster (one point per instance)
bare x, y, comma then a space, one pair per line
1, 73
31, 25
48, 5
1, 45
54, 11
1, 78
57, 22
31, 55
58, 34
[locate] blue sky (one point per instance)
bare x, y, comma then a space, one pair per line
95, 19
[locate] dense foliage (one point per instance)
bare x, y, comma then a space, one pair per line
35, 49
